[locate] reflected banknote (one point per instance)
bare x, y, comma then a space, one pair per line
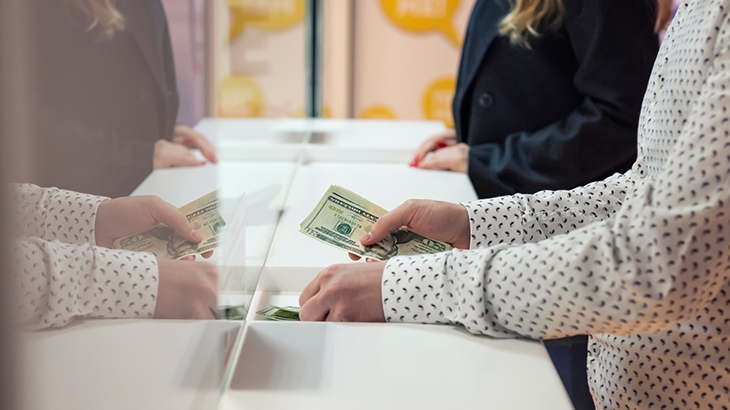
342, 217
281, 314
165, 243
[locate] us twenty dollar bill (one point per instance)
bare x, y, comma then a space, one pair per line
165, 243
342, 217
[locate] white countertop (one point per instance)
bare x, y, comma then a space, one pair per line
144, 364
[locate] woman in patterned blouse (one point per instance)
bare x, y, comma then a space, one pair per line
641, 261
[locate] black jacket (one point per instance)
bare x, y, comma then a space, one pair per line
561, 113
104, 102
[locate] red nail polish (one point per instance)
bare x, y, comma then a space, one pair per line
441, 144
414, 163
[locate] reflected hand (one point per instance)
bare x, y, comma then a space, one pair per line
344, 293
190, 138
170, 154
120, 217
186, 290
443, 140
453, 158
438, 220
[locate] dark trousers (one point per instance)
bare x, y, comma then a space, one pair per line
569, 357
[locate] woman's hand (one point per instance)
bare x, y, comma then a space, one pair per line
186, 290
169, 155
177, 153
452, 158
120, 217
440, 141
438, 220
190, 138
344, 293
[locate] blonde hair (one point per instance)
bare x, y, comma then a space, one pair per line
526, 15
103, 15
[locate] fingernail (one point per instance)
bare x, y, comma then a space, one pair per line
196, 235
414, 163
366, 237
441, 144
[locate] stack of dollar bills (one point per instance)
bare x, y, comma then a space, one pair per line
165, 243
281, 314
342, 218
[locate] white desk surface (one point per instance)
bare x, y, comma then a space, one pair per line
395, 366
127, 364
318, 140
181, 365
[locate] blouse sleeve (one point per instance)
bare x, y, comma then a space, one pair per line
59, 272
519, 219
59, 282
55, 214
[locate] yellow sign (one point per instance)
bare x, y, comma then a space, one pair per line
240, 96
378, 112
264, 15
437, 100
424, 15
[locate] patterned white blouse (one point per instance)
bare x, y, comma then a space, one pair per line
62, 275
641, 261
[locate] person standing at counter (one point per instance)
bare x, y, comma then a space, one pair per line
640, 260
548, 97
548, 93
64, 268
108, 96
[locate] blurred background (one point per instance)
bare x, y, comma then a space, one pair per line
381, 59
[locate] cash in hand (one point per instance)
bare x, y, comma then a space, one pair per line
163, 242
342, 218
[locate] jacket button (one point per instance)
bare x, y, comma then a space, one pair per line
486, 100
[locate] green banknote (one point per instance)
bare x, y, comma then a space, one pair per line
237, 312
281, 314
342, 217
165, 243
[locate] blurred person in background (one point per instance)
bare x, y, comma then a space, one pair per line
548, 93
108, 96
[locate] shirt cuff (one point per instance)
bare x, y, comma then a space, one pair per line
126, 284
490, 218
412, 287
71, 216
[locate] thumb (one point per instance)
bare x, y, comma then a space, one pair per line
175, 220
390, 222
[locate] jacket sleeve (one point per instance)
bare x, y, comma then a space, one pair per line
81, 158
615, 49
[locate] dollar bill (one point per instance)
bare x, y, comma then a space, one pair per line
342, 218
165, 243
281, 314
237, 312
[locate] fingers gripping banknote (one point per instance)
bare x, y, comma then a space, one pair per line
342, 217
165, 243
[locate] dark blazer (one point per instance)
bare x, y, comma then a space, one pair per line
561, 113
104, 101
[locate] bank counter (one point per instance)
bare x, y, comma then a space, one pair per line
271, 175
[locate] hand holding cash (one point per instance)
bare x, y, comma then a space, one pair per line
164, 242
342, 218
